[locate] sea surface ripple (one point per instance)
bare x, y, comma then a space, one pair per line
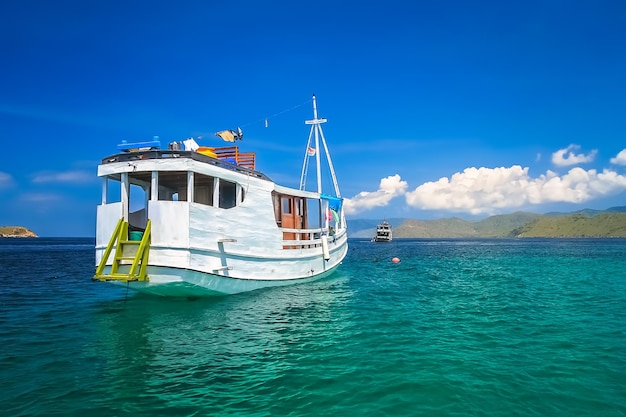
526, 327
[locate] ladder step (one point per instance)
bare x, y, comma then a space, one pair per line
119, 277
130, 242
116, 277
125, 258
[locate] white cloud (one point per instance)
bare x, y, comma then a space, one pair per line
389, 188
6, 180
475, 190
577, 186
620, 159
40, 198
487, 190
565, 157
67, 177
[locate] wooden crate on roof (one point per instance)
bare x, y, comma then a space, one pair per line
232, 154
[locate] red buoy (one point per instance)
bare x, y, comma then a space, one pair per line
395, 260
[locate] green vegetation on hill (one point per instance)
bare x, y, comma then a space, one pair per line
494, 226
576, 225
453, 227
583, 224
504, 225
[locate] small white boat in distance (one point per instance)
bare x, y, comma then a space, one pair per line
205, 221
384, 233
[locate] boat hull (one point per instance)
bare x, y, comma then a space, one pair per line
176, 282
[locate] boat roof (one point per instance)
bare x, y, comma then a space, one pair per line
167, 154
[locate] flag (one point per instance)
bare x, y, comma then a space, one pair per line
310, 151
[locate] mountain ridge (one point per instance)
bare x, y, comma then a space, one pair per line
585, 223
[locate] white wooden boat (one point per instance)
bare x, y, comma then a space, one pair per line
206, 222
384, 232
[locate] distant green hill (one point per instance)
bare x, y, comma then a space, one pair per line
494, 226
576, 225
504, 225
583, 223
453, 227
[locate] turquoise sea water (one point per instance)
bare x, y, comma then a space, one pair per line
457, 328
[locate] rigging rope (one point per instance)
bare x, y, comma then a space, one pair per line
266, 119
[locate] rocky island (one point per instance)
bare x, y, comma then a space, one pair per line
16, 231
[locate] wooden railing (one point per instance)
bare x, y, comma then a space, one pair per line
302, 238
244, 159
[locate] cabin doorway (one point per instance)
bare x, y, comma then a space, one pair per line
291, 214
138, 197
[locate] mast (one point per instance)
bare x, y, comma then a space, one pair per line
317, 133
318, 168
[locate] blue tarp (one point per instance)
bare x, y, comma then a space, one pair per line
334, 203
124, 146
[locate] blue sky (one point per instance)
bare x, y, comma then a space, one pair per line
435, 109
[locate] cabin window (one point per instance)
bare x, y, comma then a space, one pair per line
139, 190
206, 189
112, 192
313, 215
286, 205
228, 194
137, 195
203, 189
173, 185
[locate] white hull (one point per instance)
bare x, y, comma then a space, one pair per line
230, 268
172, 282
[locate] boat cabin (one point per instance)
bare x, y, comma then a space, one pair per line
154, 180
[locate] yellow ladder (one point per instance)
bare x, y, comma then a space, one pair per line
127, 252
